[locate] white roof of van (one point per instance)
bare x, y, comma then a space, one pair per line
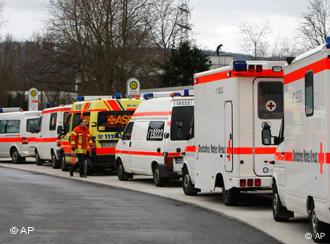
19, 115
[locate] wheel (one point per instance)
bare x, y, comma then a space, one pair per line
88, 169
187, 186
231, 196
320, 230
280, 213
158, 181
122, 175
39, 162
55, 162
64, 165
15, 157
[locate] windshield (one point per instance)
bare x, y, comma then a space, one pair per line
113, 121
182, 123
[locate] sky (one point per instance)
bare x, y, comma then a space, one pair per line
213, 21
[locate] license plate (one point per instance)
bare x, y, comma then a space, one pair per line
108, 144
178, 160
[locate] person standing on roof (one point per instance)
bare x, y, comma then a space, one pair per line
81, 140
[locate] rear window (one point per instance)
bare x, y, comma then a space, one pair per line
33, 125
182, 123
270, 100
52, 121
113, 121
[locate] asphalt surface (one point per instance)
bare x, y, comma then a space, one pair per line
66, 211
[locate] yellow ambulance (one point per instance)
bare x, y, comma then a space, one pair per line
107, 119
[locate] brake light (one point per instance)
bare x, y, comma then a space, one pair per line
25, 140
168, 161
251, 68
58, 141
257, 182
259, 68
250, 182
242, 183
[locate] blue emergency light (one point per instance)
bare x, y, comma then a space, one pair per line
80, 98
117, 95
328, 42
239, 65
186, 92
147, 96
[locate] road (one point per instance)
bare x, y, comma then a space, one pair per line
63, 210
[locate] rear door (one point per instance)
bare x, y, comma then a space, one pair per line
229, 135
267, 107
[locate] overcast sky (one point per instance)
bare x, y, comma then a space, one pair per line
214, 21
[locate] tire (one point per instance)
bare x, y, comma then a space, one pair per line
280, 213
231, 196
88, 169
158, 181
15, 157
320, 231
55, 162
39, 162
187, 186
121, 173
64, 165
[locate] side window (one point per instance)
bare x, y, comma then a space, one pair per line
309, 94
270, 100
52, 121
33, 125
155, 131
2, 126
12, 126
128, 132
76, 120
67, 123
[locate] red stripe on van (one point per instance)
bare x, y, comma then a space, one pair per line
55, 110
230, 74
321, 65
164, 113
114, 105
142, 153
46, 139
12, 139
191, 149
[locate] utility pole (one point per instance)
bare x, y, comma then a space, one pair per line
183, 20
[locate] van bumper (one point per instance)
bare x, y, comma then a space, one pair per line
166, 173
103, 161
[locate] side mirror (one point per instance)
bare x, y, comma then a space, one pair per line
60, 130
166, 135
266, 134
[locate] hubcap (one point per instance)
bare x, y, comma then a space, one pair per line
186, 181
275, 203
156, 175
314, 221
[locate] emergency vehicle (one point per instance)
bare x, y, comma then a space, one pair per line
107, 119
47, 140
231, 103
18, 131
301, 180
154, 139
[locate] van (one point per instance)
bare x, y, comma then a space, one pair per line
47, 140
107, 119
154, 139
18, 131
231, 104
301, 179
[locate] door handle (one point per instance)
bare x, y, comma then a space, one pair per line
130, 144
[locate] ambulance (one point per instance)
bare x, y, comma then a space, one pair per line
301, 179
18, 131
154, 139
107, 119
231, 104
47, 140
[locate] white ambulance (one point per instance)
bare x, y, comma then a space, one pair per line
231, 103
154, 139
48, 141
301, 180
18, 131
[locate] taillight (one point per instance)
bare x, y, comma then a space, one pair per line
250, 182
58, 141
242, 183
25, 140
259, 68
168, 161
257, 182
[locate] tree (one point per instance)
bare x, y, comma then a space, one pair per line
182, 64
315, 25
255, 39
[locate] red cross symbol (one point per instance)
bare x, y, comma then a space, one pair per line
321, 158
271, 105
